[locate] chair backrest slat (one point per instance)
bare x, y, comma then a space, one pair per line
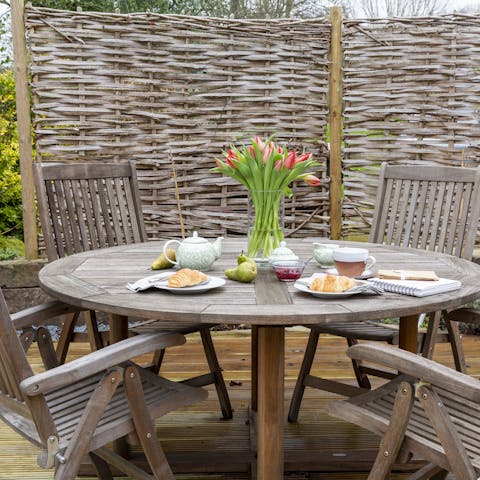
87, 226
463, 216
88, 206
433, 208
422, 213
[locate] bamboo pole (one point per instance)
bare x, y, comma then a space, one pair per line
335, 107
22, 94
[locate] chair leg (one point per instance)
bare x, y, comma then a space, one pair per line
393, 438
46, 348
66, 336
101, 467
94, 336
307, 362
430, 336
78, 444
27, 338
157, 361
457, 346
215, 368
429, 472
145, 426
362, 378
457, 456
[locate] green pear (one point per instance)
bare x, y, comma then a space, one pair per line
243, 258
244, 272
161, 262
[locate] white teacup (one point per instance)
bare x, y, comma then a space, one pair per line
352, 262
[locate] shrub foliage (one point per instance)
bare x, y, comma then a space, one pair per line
10, 185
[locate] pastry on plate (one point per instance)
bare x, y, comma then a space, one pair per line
186, 278
332, 284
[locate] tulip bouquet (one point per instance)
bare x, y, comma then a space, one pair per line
267, 170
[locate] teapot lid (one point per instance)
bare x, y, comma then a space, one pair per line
282, 253
195, 239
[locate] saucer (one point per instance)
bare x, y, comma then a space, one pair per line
366, 274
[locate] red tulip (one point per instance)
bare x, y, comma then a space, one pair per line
230, 157
278, 165
268, 150
303, 158
260, 143
291, 159
312, 180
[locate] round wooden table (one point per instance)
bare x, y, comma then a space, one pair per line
96, 280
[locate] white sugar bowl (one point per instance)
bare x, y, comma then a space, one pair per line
282, 253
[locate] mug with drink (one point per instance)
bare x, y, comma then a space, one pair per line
352, 262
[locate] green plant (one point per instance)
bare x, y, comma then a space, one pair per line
7, 254
10, 248
10, 184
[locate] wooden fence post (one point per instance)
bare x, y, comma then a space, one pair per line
335, 99
22, 95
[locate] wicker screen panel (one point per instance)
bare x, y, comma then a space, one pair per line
171, 92
412, 96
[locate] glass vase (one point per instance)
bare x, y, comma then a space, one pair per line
266, 220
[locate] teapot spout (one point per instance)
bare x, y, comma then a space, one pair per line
217, 247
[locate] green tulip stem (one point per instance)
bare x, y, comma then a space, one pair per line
266, 232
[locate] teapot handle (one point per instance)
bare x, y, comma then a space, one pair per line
165, 251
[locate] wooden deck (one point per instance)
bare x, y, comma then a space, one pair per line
200, 434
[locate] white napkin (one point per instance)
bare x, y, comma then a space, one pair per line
148, 282
368, 289
360, 287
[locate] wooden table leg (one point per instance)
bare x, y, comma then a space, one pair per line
118, 325
271, 366
254, 368
408, 334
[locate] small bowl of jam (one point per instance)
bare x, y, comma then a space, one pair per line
288, 270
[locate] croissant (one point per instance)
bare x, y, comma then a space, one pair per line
332, 283
186, 278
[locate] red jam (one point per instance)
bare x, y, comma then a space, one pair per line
288, 273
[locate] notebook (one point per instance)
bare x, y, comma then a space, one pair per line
417, 288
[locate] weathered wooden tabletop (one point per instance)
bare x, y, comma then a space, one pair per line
97, 280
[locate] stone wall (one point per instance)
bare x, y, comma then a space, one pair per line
19, 283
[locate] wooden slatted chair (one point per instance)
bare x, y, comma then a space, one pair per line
453, 318
430, 409
88, 206
432, 208
76, 409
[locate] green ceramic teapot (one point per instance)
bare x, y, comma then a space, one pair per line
195, 252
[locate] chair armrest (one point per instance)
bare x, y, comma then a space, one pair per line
418, 367
40, 313
466, 315
98, 361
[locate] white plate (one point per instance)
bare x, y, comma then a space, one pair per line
211, 282
302, 284
366, 274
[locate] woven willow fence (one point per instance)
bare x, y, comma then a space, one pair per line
170, 93
412, 96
